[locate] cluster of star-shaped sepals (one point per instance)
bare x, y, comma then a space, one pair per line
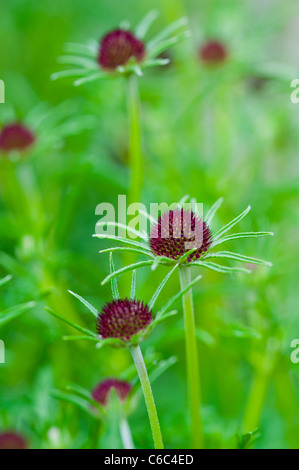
135, 339
219, 237
83, 58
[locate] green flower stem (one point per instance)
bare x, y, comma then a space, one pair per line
255, 401
264, 366
192, 361
12, 192
148, 396
125, 433
263, 370
135, 152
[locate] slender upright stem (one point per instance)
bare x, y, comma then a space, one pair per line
192, 362
264, 366
135, 152
148, 396
125, 433
255, 401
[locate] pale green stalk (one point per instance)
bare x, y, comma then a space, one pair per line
125, 433
148, 396
193, 376
135, 152
256, 400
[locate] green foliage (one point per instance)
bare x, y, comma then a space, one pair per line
226, 133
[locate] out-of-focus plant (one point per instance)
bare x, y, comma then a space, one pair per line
124, 52
11, 313
113, 400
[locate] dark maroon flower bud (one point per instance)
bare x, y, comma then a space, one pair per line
117, 48
123, 318
15, 137
102, 391
177, 232
12, 440
213, 52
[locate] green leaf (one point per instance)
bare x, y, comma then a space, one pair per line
183, 200
161, 367
80, 391
164, 316
246, 441
89, 78
14, 312
133, 285
219, 268
166, 32
167, 44
83, 49
240, 331
68, 74
155, 63
141, 264
233, 222
144, 25
68, 322
123, 226
77, 60
122, 240
238, 257
114, 288
157, 293
85, 395
137, 69
126, 227
5, 279
235, 236
127, 249
74, 400
90, 307
115, 342
212, 211
205, 337
177, 297
80, 337
187, 254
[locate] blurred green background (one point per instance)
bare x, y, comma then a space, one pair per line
226, 131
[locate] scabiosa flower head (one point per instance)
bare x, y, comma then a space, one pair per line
177, 232
16, 136
102, 391
118, 47
12, 440
213, 52
123, 318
